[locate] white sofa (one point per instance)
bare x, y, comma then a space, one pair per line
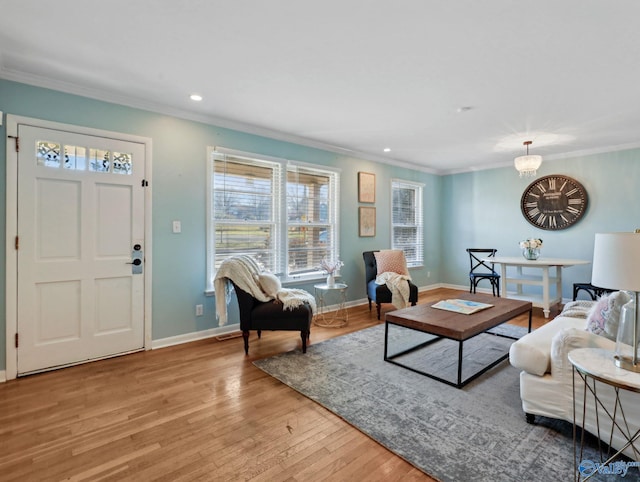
546, 380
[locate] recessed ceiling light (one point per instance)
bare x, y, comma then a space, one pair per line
195, 97
387, 149
464, 108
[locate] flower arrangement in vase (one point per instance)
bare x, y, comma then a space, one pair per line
330, 268
531, 248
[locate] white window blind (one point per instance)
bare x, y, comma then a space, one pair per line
282, 213
311, 218
407, 224
246, 209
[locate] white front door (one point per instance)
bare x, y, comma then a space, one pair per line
80, 227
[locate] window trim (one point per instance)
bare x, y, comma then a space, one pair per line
419, 187
281, 256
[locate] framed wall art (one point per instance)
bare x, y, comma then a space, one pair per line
366, 187
367, 224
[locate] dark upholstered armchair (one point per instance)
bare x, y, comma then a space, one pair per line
271, 315
380, 293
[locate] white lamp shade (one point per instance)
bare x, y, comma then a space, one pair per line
616, 261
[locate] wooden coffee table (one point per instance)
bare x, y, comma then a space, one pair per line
454, 326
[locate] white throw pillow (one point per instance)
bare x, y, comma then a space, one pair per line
604, 317
269, 283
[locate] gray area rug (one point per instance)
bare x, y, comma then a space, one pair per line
477, 433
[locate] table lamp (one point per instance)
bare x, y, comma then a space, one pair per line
616, 265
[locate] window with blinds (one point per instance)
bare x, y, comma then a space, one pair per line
282, 213
311, 218
407, 226
246, 209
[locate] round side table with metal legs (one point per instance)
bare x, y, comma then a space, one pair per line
324, 317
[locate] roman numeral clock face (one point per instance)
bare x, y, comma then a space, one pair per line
554, 202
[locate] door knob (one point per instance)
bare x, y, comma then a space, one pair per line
135, 262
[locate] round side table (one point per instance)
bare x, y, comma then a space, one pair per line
596, 364
339, 317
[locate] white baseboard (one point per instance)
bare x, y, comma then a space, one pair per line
220, 330
434, 286
462, 288
195, 336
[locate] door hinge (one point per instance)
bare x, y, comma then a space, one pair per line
16, 340
17, 243
17, 142
144, 183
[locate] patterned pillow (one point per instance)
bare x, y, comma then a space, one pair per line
577, 309
270, 284
391, 260
604, 317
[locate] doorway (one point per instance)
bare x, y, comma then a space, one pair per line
80, 265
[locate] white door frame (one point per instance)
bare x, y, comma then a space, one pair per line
11, 257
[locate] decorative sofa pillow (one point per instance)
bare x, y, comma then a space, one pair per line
270, 284
577, 309
391, 260
604, 317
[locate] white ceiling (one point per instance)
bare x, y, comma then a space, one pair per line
354, 76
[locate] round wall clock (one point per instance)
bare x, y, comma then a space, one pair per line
554, 202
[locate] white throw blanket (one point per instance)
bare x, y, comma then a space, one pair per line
292, 298
577, 309
244, 272
397, 284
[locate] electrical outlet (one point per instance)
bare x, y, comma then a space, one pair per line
428, 274
199, 310
177, 227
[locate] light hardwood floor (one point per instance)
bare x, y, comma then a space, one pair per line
197, 411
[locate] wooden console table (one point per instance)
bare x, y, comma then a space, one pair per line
544, 301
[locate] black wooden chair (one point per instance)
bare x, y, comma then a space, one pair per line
481, 270
593, 291
380, 293
271, 315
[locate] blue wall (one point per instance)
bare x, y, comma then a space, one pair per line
178, 186
480, 208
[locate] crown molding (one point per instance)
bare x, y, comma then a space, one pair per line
550, 157
158, 108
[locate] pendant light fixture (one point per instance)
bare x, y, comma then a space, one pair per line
527, 165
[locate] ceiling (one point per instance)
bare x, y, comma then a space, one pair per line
447, 86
